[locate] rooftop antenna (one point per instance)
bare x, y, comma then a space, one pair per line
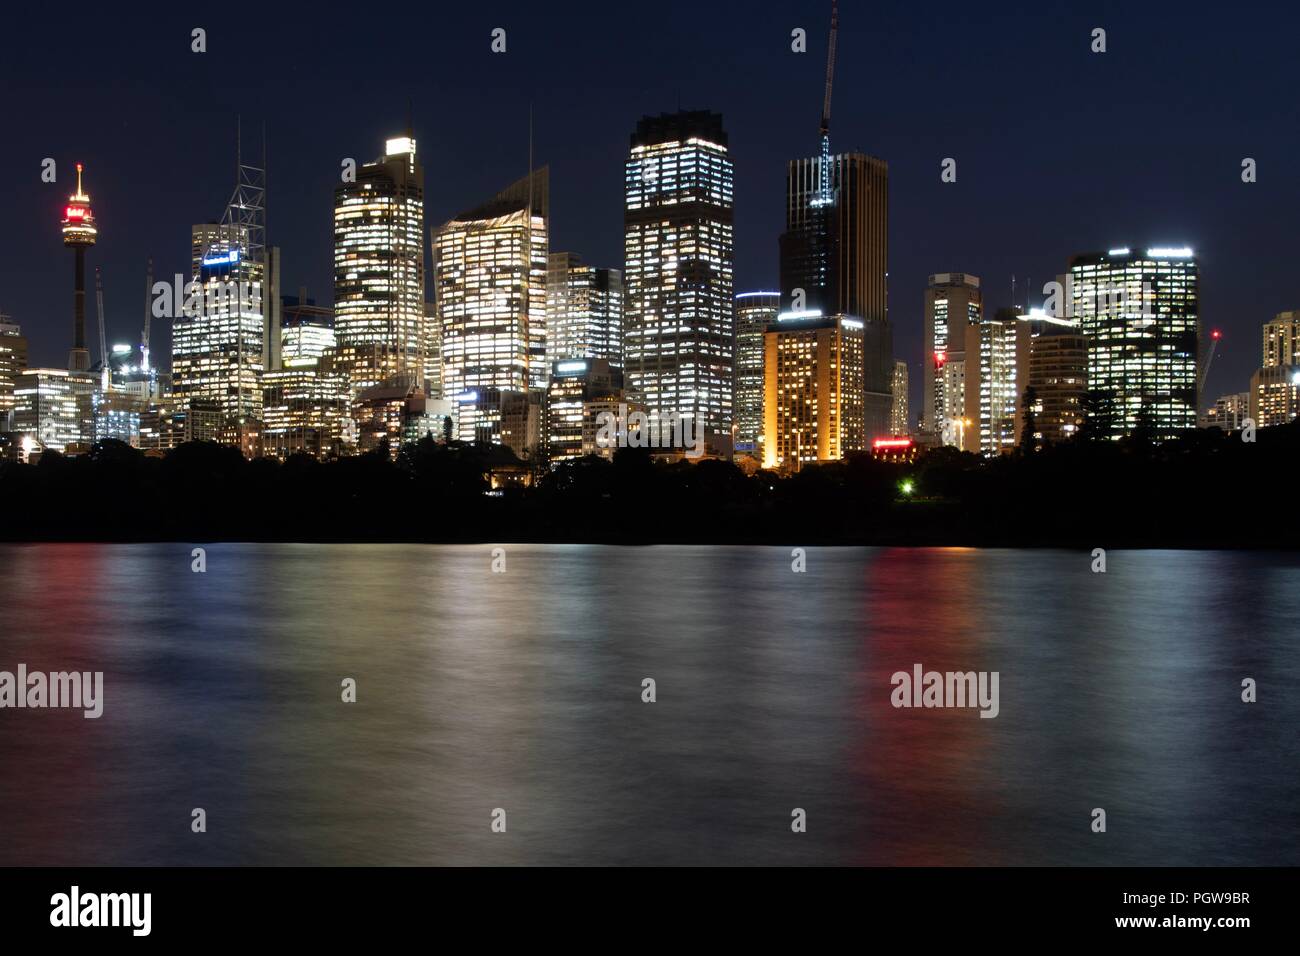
148, 313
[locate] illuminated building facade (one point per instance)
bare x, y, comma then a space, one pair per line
678, 269
305, 404
576, 383
755, 311
1058, 374
996, 376
899, 419
1229, 413
53, 405
813, 397
490, 265
306, 329
502, 416
219, 341
13, 360
379, 320
169, 423
1275, 395
835, 259
953, 303
584, 310
1282, 340
1140, 311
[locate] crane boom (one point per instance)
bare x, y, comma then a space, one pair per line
148, 311
103, 337
830, 69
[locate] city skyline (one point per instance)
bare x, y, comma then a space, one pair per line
1046, 213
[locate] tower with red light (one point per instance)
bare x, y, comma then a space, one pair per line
79, 233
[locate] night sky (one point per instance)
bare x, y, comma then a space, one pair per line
1059, 150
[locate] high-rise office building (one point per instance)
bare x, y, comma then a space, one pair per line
953, 303
1229, 412
1275, 395
1058, 375
13, 360
755, 311
306, 329
575, 384
678, 274
899, 419
996, 370
584, 310
490, 266
219, 339
1140, 311
1282, 340
812, 405
53, 406
305, 404
379, 319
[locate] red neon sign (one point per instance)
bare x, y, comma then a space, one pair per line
892, 443
74, 212
940, 358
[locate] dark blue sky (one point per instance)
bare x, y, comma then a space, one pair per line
1059, 150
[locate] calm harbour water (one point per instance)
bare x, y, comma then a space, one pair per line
522, 691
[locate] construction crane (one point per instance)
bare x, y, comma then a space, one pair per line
104, 374
1205, 372
824, 197
148, 311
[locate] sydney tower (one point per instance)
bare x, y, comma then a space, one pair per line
79, 232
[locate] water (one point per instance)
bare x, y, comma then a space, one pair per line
523, 691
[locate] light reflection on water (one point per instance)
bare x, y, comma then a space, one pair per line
523, 691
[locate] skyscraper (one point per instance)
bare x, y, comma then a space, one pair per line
755, 311
490, 277
1058, 375
13, 360
996, 376
584, 310
953, 302
379, 271
900, 422
835, 250
812, 375
1141, 314
678, 275
1282, 340
218, 339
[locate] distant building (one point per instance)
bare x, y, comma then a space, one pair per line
1282, 340
1058, 374
502, 416
575, 384
490, 265
996, 375
1275, 395
1141, 314
305, 405
169, 423
755, 311
678, 271
306, 329
13, 360
953, 303
379, 320
1229, 413
835, 259
53, 406
813, 400
584, 311
899, 420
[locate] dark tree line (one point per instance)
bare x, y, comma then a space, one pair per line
1206, 489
